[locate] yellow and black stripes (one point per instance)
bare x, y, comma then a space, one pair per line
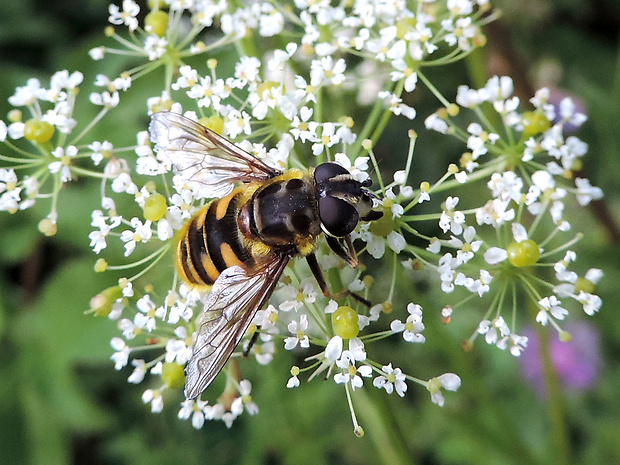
212, 242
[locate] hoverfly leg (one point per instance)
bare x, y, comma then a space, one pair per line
343, 248
318, 275
313, 263
359, 298
247, 350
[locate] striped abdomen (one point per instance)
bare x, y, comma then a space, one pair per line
212, 242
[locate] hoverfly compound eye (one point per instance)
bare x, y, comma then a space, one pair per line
326, 171
338, 216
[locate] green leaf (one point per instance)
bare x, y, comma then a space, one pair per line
53, 339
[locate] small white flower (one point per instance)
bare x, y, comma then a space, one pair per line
350, 373
490, 329
97, 53
137, 376
127, 16
121, 355
105, 99
298, 328
395, 105
195, 410
412, 327
435, 123
550, 306
244, 401
293, 381
586, 192
142, 233
325, 72
100, 151
271, 23
591, 303
153, 396
434, 245
448, 381
468, 247
155, 47
62, 165
392, 378
451, 219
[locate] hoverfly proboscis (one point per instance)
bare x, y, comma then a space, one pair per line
239, 244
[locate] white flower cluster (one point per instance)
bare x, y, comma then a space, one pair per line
51, 110
297, 100
537, 198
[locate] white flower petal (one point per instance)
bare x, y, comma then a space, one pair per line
495, 255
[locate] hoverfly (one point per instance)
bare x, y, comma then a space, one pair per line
239, 244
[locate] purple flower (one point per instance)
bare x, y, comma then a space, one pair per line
578, 362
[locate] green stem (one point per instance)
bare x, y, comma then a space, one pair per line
381, 428
90, 125
368, 125
433, 89
488, 424
555, 404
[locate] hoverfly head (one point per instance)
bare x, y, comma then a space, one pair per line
343, 200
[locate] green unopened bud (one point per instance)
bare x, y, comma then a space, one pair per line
525, 253
38, 131
156, 22
434, 385
534, 123
565, 336
48, 227
215, 123
384, 225
101, 265
155, 207
585, 285
101, 304
172, 375
345, 321
15, 116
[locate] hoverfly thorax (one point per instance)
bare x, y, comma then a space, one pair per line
343, 200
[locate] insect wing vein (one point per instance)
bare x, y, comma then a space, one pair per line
208, 162
229, 310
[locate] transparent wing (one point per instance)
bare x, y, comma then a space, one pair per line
209, 163
229, 310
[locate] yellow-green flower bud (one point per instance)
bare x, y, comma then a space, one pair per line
345, 322
101, 304
534, 123
156, 22
48, 227
155, 207
38, 131
525, 253
101, 265
215, 123
172, 375
585, 285
384, 225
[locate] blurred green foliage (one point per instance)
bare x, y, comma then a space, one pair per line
61, 401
